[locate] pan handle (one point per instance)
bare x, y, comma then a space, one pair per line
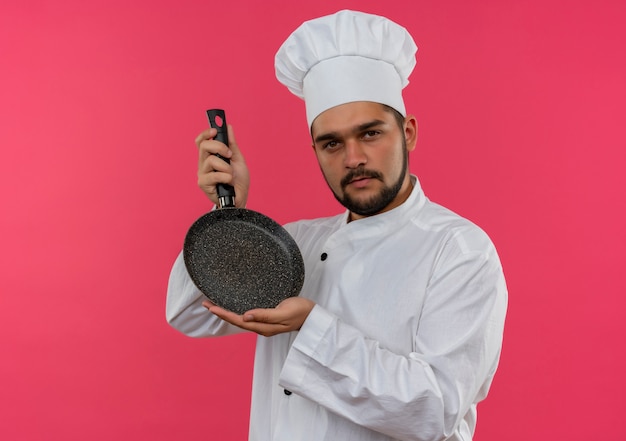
225, 192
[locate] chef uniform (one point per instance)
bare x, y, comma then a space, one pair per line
406, 333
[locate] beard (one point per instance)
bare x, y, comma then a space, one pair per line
377, 202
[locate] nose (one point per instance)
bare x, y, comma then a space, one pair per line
354, 154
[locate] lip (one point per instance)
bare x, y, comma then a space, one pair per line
360, 182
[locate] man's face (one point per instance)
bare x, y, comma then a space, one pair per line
363, 155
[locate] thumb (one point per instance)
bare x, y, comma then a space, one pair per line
232, 141
259, 315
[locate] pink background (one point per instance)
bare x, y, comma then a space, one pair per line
521, 109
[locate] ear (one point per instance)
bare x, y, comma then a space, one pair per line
410, 132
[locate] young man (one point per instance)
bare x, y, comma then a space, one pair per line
397, 331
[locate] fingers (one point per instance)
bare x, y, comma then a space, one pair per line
206, 134
247, 321
214, 163
207, 146
286, 317
212, 168
209, 178
232, 142
268, 316
208, 304
210, 133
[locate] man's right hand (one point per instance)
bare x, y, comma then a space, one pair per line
213, 170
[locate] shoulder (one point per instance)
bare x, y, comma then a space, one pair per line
314, 227
452, 228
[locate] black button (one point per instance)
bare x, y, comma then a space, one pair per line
287, 392
324, 256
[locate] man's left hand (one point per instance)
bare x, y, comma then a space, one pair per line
288, 316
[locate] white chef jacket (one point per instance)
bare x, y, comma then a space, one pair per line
404, 339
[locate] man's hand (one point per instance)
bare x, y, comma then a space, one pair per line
213, 170
288, 316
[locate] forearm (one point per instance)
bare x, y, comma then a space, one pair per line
427, 393
184, 310
333, 364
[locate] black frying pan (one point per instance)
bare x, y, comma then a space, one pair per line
238, 258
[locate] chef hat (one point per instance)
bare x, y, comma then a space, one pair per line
345, 57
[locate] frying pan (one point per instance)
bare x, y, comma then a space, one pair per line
238, 258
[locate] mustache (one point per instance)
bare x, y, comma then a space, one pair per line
359, 173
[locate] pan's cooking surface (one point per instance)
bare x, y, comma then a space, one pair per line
242, 260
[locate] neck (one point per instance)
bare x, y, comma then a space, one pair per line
401, 197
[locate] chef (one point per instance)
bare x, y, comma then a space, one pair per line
396, 334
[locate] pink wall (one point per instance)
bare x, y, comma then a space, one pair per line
521, 107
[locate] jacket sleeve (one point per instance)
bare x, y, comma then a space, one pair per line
184, 310
427, 393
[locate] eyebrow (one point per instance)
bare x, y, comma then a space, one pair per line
358, 129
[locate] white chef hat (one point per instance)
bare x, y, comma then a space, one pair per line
345, 57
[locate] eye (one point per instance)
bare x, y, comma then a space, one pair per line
330, 145
370, 134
